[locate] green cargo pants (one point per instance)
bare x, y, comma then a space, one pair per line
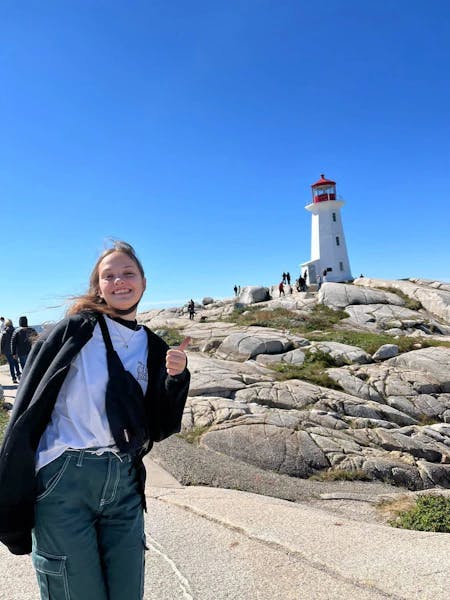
88, 539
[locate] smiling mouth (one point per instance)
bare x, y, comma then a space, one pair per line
122, 292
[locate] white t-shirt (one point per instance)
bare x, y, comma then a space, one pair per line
79, 417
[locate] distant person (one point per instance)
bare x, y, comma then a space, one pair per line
283, 277
302, 284
191, 309
281, 288
305, 275
288, 278
5, 348
319, 281
2, 324
235, 290
361, 275
21, 341
239, 290
95, 395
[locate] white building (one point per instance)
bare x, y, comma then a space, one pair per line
328, 249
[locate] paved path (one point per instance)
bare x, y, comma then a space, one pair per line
215, 544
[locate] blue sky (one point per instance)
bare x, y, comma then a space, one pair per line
193, 130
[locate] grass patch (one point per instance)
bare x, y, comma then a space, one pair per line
171, 335
334, 474
4, 419
312, 370
427, 420
193, 435
426, 512
319, 317
409, 302
370, 342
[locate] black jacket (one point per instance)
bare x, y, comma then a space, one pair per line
21, 340
44, 373
5, 340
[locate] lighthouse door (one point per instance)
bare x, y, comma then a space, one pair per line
312, 274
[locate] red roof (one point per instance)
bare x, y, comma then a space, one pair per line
323, 181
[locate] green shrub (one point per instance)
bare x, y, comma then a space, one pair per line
427, 420
312, 370
409, 302
171, 335
370, 342
319, 317
192, 436
430, 513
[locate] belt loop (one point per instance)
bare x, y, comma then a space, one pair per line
80, 458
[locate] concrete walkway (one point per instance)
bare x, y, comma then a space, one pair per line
214, 544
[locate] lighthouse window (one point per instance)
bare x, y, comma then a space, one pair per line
341, 266
337, 241
334, 217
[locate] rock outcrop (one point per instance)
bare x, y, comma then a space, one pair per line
390, 418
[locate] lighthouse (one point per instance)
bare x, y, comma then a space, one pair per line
328, 248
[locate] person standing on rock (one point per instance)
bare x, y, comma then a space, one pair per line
191, 309
5, 348
94, 396
235, 290
288, 278
283, 277
281, 288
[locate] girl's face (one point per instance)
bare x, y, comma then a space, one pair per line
120, 282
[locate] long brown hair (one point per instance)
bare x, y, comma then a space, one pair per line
91, 300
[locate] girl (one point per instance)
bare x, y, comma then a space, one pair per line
71, 472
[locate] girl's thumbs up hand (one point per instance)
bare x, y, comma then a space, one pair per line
176, 358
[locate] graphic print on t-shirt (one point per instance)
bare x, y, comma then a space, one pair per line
142, 372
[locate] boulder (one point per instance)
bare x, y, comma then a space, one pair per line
340, 295
242, 346
382, 314
342, 354
252, 294
204, 411
432, 362
207, 300
212, 377
433, 296
258, 441
293, 357
385, 351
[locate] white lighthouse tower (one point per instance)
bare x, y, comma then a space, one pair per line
328, 249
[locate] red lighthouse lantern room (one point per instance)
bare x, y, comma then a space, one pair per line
323, 190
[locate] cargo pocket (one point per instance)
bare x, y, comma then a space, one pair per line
48, 479
51, 575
